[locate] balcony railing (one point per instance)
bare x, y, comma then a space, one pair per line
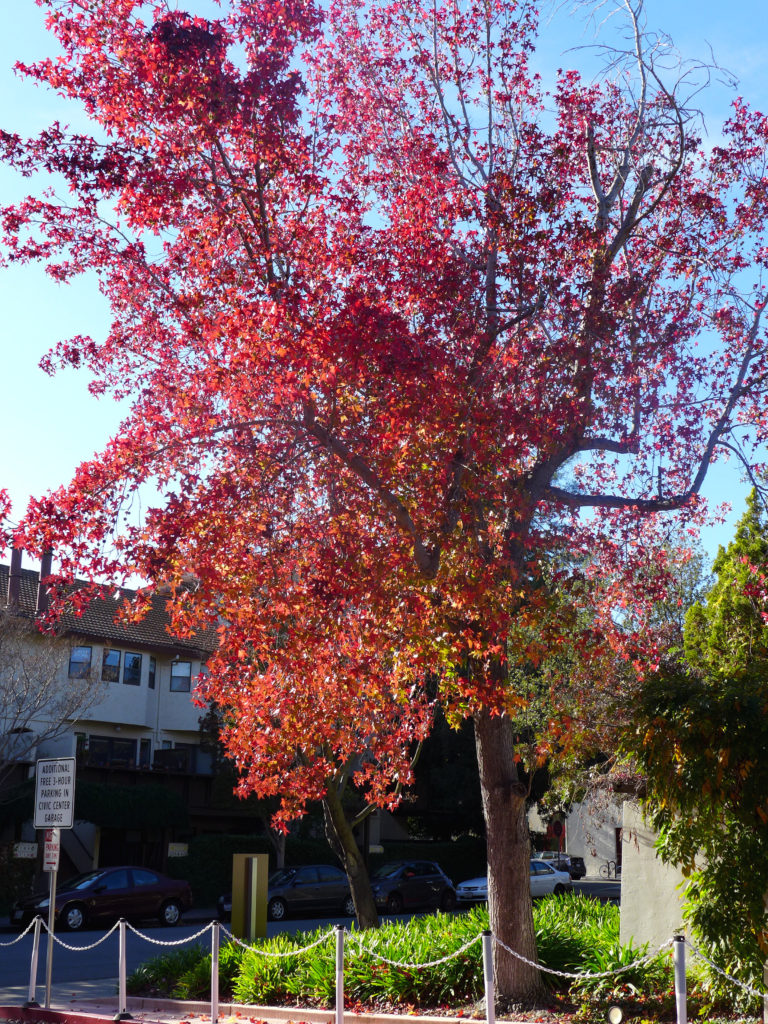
191, 761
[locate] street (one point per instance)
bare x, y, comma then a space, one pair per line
607, 889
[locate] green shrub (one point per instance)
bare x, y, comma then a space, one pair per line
16, 876
161, 975
569, 928
655, 975
269, 979
574, 934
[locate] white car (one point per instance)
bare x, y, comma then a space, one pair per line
544, 879
474, 890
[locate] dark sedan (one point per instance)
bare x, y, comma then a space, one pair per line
409, 884
308, 889
108, 894
313, 888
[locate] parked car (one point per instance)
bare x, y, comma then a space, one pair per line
307, 889
406, 885
312, 887
554, 857
575, 866
107, 894
224, 907
544, 879
474, 890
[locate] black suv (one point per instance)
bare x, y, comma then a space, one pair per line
403, 885
577, 868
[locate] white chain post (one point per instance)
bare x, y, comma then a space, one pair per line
214, 972
122, 999
339, 974
680, 985
490, 987
32, 994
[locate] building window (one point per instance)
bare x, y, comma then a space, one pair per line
110, 665
152, 673
80, 662
181, 676
132, 669
111, 751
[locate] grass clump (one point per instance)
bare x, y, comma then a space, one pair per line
382, 968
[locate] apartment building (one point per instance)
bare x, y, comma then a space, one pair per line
145, 779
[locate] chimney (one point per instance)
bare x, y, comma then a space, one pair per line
42, 594
14, 580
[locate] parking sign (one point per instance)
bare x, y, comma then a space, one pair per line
55, 792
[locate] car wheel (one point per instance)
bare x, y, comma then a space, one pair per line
394, 903
170, 913
559, 889
448, 900
73, 917
276, 909
349, 907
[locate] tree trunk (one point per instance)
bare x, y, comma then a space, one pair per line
342, 840
277, 839
509, 853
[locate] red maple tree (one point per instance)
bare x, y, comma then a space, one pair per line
397, 323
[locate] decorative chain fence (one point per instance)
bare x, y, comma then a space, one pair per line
356, 947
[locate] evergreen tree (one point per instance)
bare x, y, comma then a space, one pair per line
728, 634
699, 737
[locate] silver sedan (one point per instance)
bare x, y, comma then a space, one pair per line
544, 879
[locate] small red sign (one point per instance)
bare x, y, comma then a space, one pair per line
52, 849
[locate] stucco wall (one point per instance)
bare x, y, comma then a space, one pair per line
590, 832
651, 904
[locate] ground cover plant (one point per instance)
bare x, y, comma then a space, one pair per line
574, 935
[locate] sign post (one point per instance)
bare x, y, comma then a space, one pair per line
54, 810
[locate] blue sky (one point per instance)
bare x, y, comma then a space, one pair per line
52, 424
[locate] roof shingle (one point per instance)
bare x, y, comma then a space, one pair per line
98, 619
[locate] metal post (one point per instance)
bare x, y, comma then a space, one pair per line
490, 987
680, 988
214, 971
339, 974
32, 994
122, 999
51, 926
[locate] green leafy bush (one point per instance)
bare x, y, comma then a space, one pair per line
160, 976
654, 975
574, 934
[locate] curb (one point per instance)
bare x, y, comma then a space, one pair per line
282, 1013
91, 1011
37, 1014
